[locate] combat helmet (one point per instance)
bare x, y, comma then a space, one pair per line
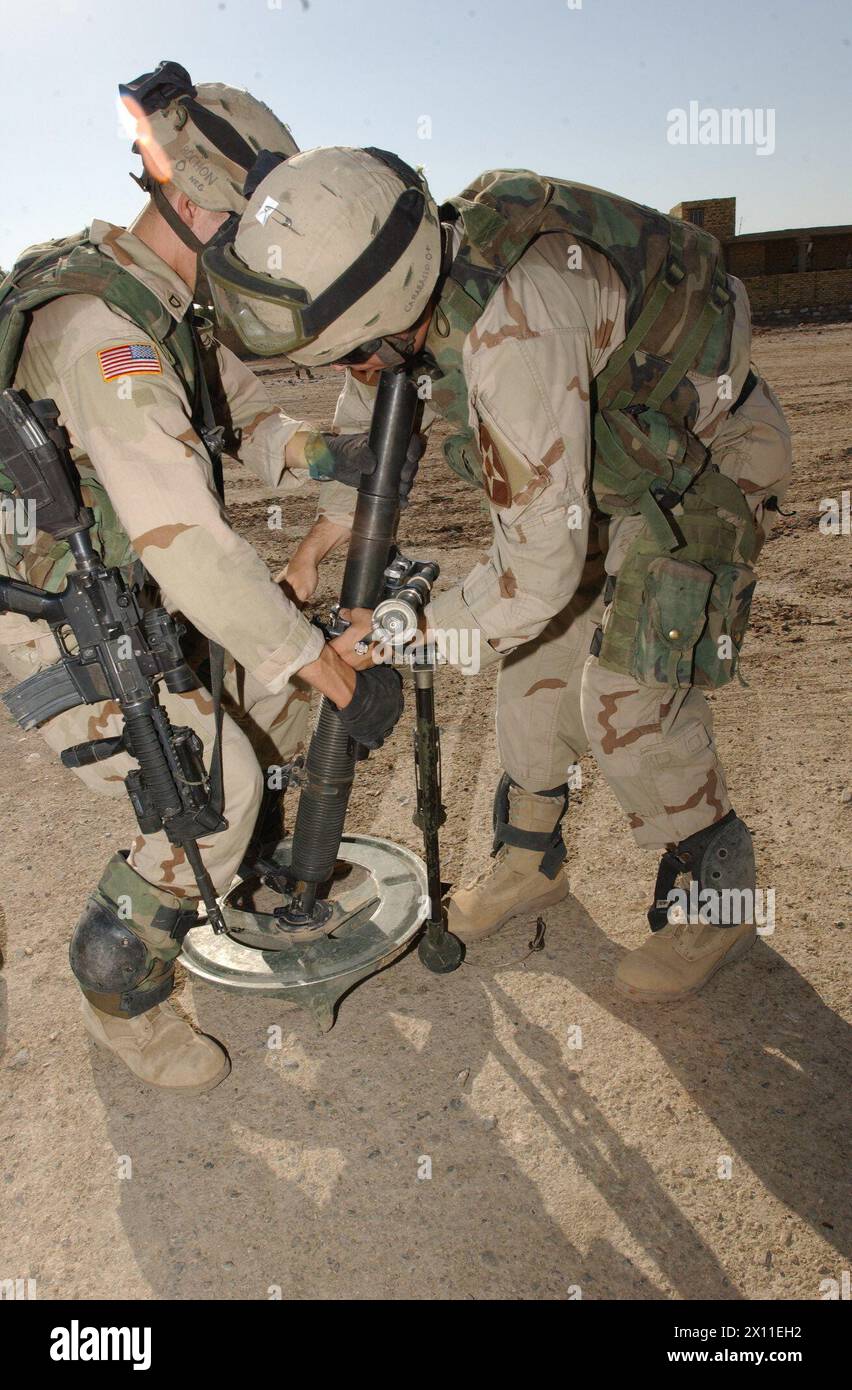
337, 250
203, 139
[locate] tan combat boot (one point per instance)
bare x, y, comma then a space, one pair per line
677, 960
512, 883
160, 1048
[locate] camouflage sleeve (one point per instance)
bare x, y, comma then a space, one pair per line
263, 428
336, 504
355, 404
352, 415
530, 397
354, 408
137, 433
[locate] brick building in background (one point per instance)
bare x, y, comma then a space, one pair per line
800, 269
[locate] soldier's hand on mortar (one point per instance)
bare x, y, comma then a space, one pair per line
299, 578
358, 633
349, 458
375, 707
413, 454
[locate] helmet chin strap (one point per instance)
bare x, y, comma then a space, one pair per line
154, 189
396, 350
393, 351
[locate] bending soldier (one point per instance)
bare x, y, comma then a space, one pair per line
592, 357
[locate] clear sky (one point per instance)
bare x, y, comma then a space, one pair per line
577, 88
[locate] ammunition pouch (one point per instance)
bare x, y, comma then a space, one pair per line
680, 619
719, 858
550, 842
124, 946
644, 462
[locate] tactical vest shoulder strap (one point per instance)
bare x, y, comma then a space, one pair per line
75, 266
655, 255
500, 214
679, 317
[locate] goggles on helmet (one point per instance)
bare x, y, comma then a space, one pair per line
274, 316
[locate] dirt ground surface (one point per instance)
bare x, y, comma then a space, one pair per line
554, 1168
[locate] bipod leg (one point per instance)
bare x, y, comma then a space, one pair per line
439, 950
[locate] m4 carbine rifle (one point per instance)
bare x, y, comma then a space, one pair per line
121, 653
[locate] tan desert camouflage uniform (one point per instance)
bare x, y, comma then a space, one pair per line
150, 481
537, 598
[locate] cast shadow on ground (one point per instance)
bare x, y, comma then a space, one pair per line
758, 1050
313, 1188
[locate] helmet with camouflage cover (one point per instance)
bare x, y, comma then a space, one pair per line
337, 251
202, 139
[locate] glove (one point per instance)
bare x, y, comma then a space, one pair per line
375, 707
413, 454
346, 458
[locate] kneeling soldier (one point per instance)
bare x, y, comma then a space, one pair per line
102, 324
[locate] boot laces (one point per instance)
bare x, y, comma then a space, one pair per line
489, 868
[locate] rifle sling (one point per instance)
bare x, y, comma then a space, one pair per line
204, 424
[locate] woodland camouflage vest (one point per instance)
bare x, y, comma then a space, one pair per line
74, 266
679, 318
669, 612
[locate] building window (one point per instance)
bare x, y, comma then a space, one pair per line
696, 215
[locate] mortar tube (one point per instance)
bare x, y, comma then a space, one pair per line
332, 755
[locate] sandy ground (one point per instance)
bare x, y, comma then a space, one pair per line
553, 1167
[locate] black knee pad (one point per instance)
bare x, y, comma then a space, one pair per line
719, 857
111, 963
727, 860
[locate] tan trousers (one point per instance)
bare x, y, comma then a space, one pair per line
654, 746
258, 730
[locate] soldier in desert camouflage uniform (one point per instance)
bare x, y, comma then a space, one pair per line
593, 358
106, 318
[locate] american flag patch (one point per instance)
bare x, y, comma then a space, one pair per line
126, 360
